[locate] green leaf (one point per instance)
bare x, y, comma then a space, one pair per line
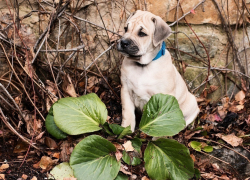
61, 171
126, 131
93, 159
121, 176
130, 159
51, 126
196, 145
168, 159
136, 143
80, 115
197, 173
107, 128
198, 128
162, 116
116, 128
208, 149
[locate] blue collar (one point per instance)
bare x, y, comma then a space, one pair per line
161, 52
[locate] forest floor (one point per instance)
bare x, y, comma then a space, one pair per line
224, 125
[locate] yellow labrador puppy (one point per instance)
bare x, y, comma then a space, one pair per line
147, 68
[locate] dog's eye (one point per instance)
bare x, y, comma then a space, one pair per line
142, 34
125, 29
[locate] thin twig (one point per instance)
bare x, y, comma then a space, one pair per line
230, 39
14, 102
204, 139
110, 47
65, 50
4, 119
92, 23
186, 13
21, 82
220, 69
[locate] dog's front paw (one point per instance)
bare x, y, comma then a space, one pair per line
129, 121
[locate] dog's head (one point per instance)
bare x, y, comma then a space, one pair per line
143, 34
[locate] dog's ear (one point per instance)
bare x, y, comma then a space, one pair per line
162, 30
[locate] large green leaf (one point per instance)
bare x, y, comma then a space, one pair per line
51, 126
162, 116
93, 159
168, 159
80, 115
61, 171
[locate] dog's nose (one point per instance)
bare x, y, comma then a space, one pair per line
125, 43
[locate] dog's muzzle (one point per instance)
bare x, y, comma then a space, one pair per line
128, 48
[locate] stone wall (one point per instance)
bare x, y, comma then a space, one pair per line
107, 16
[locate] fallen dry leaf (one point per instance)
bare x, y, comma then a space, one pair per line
133, 177
18, 100
200, 99
124, 168
92, 81
33, 126
51, 87
37, 165
40, 135
224, 177
207, 127
70, 178
248, 120
65, 151
214, 117
216, 166
118, 146
56, 155
21, 147
210, 175
3, 167
144, 178
240, 96
212, 88
24, 176
68, 86
118, 155
233, 108
128, 146
231, 139
188, 134
240, 107
243, 84
222, 112
50, 143
34, 178
2, 176
193, 157
46, 162
225, 102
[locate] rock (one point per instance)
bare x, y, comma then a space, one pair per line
234, 159
205, 12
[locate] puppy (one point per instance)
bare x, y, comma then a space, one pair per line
147, 68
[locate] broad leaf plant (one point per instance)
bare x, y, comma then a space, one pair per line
94, 158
